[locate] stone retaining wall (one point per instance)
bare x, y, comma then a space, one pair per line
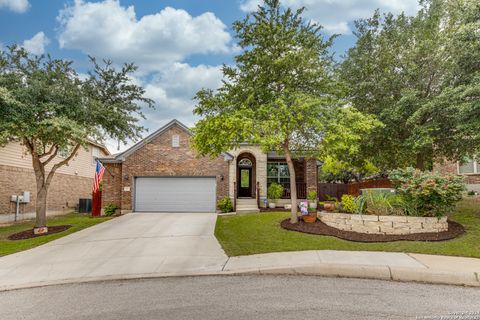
383, 224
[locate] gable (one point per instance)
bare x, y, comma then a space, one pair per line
173, 127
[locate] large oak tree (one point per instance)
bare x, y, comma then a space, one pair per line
49, 108
281, 94
420, 76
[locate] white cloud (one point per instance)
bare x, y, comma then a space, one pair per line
173, 90
335, 15
108, 30
19, 6
36, 45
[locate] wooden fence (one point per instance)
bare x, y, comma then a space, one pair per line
338, 189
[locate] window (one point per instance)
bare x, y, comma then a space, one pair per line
469, 166
175, 141
245, 163
95, 154
278, 172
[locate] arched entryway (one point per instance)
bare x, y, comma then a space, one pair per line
246, 177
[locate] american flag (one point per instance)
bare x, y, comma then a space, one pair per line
99, 171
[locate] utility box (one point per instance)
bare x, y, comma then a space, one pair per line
25, 196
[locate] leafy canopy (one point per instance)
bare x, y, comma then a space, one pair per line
281, 93
46, 105
421, 77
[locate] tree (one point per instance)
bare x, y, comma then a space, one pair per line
46, 106
420, 76
281, 94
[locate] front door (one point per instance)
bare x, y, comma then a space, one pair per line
245, 182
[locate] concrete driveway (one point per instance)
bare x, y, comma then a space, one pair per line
137, 243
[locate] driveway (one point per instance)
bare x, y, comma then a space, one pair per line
137, 243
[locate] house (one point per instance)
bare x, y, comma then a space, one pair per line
162, 173
470, 170
69, 184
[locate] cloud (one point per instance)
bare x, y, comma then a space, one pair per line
19, 6
108, 30
173, 90
335, 15
36, 45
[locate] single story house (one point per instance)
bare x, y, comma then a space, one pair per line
70, 183
161, 173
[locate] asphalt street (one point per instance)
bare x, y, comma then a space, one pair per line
241, 297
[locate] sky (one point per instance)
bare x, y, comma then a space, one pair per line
178, 45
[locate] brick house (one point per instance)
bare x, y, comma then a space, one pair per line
162, 173
69, 184
470, 170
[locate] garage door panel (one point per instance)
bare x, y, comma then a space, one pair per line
175, 194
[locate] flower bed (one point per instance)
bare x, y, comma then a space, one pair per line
389, 225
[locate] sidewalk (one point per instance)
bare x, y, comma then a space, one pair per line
355, 264
362, 264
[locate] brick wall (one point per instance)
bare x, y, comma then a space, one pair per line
63, 194
311, 175
159, 158
451, 168
111, 184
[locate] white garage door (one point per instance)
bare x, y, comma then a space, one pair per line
175, 194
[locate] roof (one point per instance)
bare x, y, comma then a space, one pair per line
100, 145
119, 157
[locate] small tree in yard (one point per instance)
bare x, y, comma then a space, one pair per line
46, 106
281, 94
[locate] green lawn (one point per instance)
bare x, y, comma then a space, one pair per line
260, 233
76, 220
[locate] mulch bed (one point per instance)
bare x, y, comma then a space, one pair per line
28, 234
454, 230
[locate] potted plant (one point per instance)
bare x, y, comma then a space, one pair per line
330, 204
274, 192
312, 200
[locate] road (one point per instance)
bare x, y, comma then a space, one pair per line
238, 297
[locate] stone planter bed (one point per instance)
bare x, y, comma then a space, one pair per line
454, 230
390, 225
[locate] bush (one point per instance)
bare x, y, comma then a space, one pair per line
109, 209
275, 191
427, 193
381, 204
348, 204
225, 204
312, 195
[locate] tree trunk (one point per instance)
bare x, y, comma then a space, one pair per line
293, 184
41, 205
420, 162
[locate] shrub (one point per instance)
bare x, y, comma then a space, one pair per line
109, 209
312, 195
471, 193
382, 204
348, 204
275, 191
225, 204
427, 193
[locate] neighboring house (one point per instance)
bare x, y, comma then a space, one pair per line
162, 173
70, 183
470, 170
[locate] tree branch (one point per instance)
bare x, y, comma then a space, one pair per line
61, 163
51, 157
47, 153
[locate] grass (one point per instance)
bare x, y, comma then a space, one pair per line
261, 233
76, 220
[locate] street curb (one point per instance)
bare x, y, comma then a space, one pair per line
401, 274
